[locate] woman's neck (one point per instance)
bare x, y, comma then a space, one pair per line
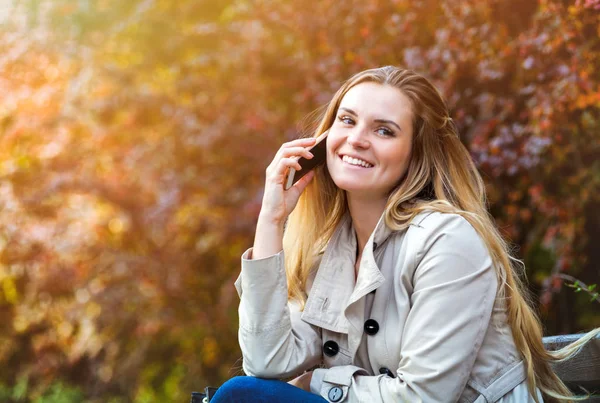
365, 215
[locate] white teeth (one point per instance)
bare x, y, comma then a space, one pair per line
355, 161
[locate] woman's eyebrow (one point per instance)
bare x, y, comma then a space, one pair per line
350, 111
388, 122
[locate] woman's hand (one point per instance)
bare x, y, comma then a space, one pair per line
303, 381
278, 203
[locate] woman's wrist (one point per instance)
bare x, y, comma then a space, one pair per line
270, 220
269, 237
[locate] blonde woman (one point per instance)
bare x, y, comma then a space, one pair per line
390, 282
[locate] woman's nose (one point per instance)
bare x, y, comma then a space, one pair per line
358, 138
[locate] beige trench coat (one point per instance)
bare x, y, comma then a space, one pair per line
435, 331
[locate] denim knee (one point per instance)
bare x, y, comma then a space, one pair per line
240, 384
238, 389
248, 389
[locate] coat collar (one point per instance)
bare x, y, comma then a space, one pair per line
334, 289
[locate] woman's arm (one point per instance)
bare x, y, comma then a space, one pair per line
277, 203
275, 341
268, 240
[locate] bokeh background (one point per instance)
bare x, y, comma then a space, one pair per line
134, 136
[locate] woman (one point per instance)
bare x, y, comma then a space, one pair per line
390, 282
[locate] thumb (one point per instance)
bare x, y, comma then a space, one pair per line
304, 181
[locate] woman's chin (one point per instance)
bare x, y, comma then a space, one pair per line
355, 189
348, 184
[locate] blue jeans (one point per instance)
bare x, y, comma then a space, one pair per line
248, 389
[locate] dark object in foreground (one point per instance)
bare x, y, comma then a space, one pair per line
205, 397
581, 371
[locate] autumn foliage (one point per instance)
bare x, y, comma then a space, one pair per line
134, 137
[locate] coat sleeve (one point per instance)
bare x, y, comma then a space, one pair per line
452, 287
275, 341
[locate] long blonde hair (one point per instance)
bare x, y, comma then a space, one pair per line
441, 176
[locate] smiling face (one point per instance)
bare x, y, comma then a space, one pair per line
369, 144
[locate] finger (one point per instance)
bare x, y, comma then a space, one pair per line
304, 142
291, 162
299, 142
284, 164
296, 151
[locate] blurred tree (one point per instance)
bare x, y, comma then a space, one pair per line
135, 137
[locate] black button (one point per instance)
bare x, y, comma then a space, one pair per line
335, 394
371, 327
386, 371
330, 348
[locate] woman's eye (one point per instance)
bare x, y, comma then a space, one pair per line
385, 131
345, 119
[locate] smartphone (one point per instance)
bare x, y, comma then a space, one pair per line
319, 156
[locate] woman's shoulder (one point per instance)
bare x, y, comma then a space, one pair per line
451, 229
435, 221
443, 241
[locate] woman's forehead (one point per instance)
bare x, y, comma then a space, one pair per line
375, 101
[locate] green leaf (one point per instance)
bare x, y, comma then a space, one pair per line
20, 390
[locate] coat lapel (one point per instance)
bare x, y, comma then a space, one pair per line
332, 301
336, 302
334, 281
369, 279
